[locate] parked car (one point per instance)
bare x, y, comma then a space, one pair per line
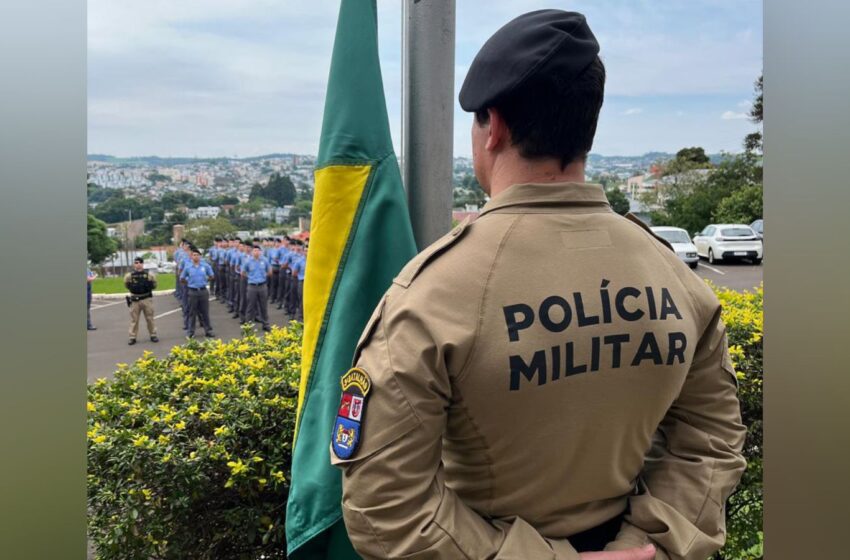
718, 242
758, 227
166, 267
681, 243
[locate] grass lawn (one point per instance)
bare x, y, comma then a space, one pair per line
116, 285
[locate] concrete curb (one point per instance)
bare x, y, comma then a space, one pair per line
122, 294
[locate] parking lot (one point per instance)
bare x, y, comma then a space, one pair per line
737, 276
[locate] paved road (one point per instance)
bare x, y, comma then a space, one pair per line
107, 345
738, 276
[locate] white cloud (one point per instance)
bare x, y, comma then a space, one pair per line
732, 115
632, 111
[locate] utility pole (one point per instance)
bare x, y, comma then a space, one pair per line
428, 59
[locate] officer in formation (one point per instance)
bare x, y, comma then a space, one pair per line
141, 284
297, 266
211, 256
274, 258
257, 272
182, 257
195, 275
550, 381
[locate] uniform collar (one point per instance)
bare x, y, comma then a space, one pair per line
547, 194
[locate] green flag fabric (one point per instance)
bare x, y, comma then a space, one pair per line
360, 239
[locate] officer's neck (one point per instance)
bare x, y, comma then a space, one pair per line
516, 170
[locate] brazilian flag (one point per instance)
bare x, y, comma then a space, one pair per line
360, 239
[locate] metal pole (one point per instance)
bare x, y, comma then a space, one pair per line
428, 58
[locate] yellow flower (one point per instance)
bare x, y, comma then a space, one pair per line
166, 458
90, 407
257, 459
205, 416
193, 409
181, 425
147, 493
141, 441
164, 439
222, 431
99, 439
278, 476
237, 467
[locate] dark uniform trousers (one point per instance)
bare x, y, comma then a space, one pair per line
199, 308
184, 306
243, 298
258, 303
214, 279
233, 300
299, 302
273, 284
283, 289
222, 284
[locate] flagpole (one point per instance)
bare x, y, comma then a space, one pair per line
428, 58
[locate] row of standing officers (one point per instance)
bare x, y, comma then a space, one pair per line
246, 275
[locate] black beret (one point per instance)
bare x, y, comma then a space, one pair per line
194, 249
544, 42
237, 239
139, 260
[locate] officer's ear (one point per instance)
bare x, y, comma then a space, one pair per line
498, 135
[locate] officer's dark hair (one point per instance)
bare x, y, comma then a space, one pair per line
549, 118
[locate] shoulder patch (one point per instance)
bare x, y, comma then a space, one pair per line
635, 220
417, 263
347, 430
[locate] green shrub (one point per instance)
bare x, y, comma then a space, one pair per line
189, 456
744, 317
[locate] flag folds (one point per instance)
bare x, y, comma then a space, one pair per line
360, 239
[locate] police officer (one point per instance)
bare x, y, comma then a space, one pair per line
285, 274
550, 380
257, 271
274, 259
141, 284
210, 257
232, 280
296, 268
195, 276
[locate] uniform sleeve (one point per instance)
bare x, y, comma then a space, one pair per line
694, 464
152, 276
395, 502
127, 280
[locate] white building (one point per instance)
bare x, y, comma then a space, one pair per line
203, 212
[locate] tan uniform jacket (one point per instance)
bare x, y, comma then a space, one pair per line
535, 373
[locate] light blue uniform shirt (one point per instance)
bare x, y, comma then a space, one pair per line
196, 274
299, 264
256, 269
274, 256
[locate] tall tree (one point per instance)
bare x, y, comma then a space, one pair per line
618, 201
100, 246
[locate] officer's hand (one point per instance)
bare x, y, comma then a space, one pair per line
645, 553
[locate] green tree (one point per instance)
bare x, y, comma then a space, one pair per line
279, 190
687, 159
100, 246
741, 207
693, 202
202, 232
618, 200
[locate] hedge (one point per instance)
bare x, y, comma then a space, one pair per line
189, 455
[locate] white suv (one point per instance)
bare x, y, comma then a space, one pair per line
718, 242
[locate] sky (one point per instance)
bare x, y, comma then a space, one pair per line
213, 78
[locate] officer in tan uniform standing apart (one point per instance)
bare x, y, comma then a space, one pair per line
550, 381
141, 284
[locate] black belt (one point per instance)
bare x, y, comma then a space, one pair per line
135, 297
275, 267
198, 289
260, 284
595, 538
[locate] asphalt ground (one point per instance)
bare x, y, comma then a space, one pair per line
107, 346
738, 276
